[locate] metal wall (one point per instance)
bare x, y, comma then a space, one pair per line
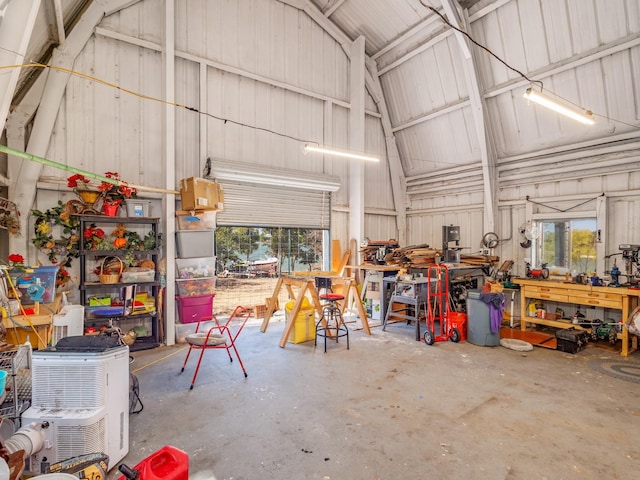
262, 76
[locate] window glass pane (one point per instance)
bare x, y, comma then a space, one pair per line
567, 245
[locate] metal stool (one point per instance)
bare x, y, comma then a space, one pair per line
335, 326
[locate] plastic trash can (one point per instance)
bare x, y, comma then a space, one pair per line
479, 322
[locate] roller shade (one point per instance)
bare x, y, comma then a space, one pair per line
269, 206
257, 195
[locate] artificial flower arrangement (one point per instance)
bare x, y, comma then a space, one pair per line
62, 250
115, 194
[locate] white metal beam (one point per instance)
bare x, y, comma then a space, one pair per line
356, 140
452, 12
483, 130
332, 7
169, 136
396, 173
17, 23
59, 21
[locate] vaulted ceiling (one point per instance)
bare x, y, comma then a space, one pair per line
453, 99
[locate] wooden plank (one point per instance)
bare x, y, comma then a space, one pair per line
336, 254
271, 306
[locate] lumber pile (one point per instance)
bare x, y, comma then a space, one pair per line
375, 251
421, 256
480, 260
414, 255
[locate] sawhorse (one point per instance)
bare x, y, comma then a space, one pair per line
304, 284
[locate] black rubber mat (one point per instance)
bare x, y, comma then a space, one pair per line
624, 370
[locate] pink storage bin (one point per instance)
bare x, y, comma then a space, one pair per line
195, 307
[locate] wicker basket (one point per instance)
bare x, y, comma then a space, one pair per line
110, 277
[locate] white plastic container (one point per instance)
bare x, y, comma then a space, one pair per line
195, 243
138, 208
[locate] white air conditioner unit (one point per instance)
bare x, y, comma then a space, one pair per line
69, 322
84, 399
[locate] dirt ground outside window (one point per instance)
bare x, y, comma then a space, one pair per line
248, 292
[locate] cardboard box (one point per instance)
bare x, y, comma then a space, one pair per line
200, 194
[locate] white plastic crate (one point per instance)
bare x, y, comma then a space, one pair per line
195, 243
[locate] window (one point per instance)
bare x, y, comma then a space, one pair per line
249, 261
566, 245
267, 251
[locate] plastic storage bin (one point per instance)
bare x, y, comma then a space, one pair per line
479, 322
135, 275
195, 243
38, 285
194, 308
204, 220
189, 287
138, 208
197, 267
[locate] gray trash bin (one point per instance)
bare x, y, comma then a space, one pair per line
479, 322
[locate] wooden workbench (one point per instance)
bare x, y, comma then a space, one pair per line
615, 298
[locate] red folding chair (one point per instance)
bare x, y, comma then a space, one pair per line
217, 337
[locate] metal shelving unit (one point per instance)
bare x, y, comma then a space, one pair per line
88, 288
18, 399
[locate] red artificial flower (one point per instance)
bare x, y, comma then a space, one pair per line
16, 258
73, 180
90, 232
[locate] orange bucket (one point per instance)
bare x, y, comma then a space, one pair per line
459, 320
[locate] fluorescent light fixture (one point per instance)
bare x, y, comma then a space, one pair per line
582, 116
339, 153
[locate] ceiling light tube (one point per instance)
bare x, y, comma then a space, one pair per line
582, 116
339, 153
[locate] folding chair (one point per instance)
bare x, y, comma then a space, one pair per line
217, 337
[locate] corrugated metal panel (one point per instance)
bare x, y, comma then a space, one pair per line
101, 128
268, 38
569, 40
378, 20
268, 206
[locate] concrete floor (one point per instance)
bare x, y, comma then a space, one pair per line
388, 408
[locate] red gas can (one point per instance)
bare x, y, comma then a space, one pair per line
168, 463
